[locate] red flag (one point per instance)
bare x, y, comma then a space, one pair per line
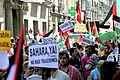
60, 33
67, 44
80, 40
99, 41
30, 31
94, 30
78, 11
44, 32
114, 11
14, 71
84, 21
66, 34
111, 48
38, 33
89, 28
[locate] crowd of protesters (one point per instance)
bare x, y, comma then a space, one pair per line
80, 62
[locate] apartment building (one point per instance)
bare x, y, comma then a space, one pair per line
97, 9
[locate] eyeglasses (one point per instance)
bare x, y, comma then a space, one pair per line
34, 69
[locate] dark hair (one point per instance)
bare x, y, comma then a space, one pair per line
108, 70
77, 45
117, 75
92, 48
71, 50
61, 53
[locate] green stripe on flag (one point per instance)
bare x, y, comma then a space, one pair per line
117, 30
108, 36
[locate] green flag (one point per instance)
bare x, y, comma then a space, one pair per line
107, 36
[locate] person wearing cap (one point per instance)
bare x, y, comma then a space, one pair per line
95, 73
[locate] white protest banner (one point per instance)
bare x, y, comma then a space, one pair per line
66, 26
4, 61
49, 40
43, 56
87, 41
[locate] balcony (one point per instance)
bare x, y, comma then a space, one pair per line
47, 2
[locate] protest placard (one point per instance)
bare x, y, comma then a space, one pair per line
66, 26
43, 56
5, 42
80, 28
49, 40
4, 60
87, 41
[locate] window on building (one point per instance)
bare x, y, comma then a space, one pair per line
43, 12
35, 27
26, 26
44, 27
34, 8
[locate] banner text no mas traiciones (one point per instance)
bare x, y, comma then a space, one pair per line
43, 50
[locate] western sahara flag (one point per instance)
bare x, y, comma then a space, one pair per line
108, 34
108, 20
14, 73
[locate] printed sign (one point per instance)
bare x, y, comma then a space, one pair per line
5, 42
43, 56
66, 26
87, 41
80, 28
4, 60
49, 40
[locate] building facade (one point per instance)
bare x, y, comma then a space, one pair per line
46, 14
97, 9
